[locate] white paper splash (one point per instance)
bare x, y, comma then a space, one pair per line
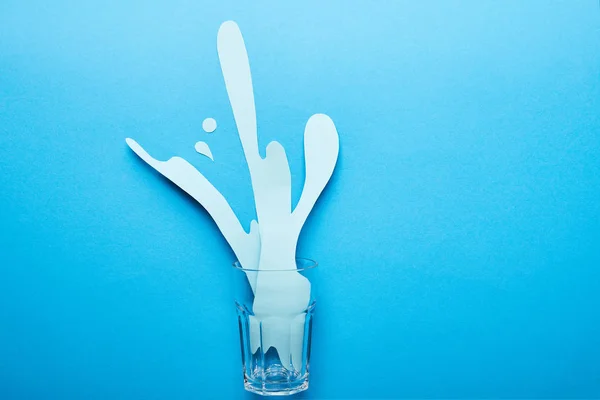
202, 148
271, 243
209, 125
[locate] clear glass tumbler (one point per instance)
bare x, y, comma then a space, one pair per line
275, 312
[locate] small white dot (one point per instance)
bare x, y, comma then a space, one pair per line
209, 125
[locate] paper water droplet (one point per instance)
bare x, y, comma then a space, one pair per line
202, 148
209, 125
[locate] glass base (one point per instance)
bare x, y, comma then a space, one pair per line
276, 381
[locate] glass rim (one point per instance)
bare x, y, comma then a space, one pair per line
311, 264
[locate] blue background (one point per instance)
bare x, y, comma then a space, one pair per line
458, 239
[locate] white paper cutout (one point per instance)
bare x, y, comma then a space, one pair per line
280, 297
184, 175
202, 148
271, 182
209, 125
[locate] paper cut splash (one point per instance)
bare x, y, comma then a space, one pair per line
202, 148
209, 125
271, 242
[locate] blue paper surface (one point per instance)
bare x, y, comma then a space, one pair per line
457, 240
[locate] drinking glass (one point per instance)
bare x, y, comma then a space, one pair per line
275, 312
